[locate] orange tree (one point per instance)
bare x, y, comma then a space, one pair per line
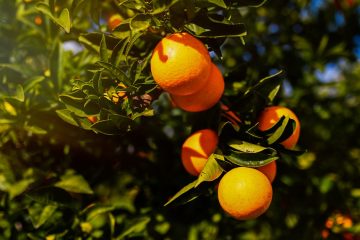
90, 144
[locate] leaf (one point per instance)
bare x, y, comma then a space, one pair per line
211, 171
135, 226
284, 128
249, 3
32, 82
46, 213
115, 72
75, 184
249, 159
160, 6
140, 22
103, 50
19, 187
205, 26
35, 130
182, 191
20, 96
107, 127
50, 195
209, 3
67, 116
63, 20
247, 147
98, 210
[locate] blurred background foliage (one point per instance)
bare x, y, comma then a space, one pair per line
59, 181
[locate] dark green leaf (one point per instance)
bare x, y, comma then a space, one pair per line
182, 191
249, 159
107, 127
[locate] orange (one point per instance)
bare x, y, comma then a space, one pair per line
269, 170
230, 115
114, 21
196, 150
206, 97
180, 64
92, 119
38, 20
271, 115
244, 193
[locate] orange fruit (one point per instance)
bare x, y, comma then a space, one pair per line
271, 115
206, 97
269, 170
92, 119
180, 64
196, 150
244, 193
230, 115
38, 20
114, 21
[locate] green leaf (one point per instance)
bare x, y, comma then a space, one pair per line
75, 184
32, 82
182, 191
20, 96
249, 159
35, 130
103, 50
211, 171
249, 3
160, 6
19, 187
247, 147
63, 20
283, 129
115, 72
40, 214
135, 226
209, 3
107, 127
207, 26
140, 22
97, 210
67, 116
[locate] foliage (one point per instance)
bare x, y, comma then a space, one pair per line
64, 175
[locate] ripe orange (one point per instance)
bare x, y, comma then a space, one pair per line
114, 21
269, 170
180, 64
244, 193
271, 115
196, 150
92, 119
206, 97
38, 20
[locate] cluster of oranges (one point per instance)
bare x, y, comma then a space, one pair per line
338, 223
243, 192
181, 65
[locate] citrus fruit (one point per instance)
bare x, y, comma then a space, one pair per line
269, 170
180, 64
114, 21
271, 115
196, 150
206, 97
244, 193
